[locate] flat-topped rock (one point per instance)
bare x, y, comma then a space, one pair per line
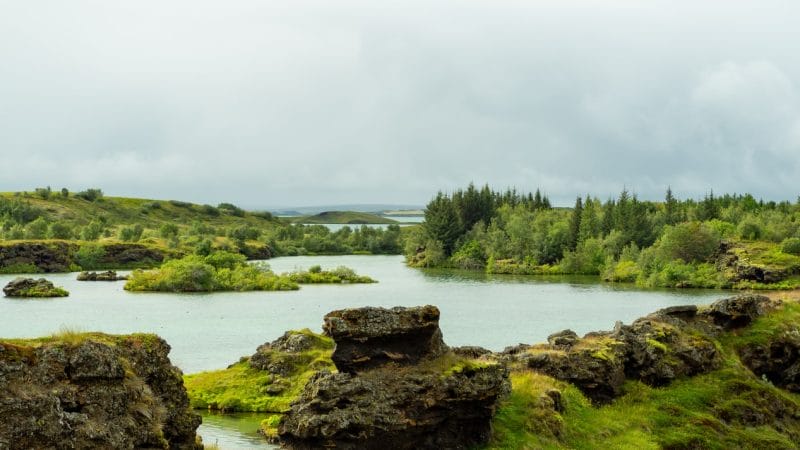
371, 337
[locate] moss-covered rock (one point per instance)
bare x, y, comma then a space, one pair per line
33, 288
93, 391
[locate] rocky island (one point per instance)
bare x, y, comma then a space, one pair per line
33, 288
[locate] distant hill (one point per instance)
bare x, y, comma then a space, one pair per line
344, 217
376, 208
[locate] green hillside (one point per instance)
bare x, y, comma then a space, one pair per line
344, 217
44, 231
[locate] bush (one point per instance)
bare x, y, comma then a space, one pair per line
131, 233
89, 256
92, 231
168, 230
91, 195
180, 204
60, 230
689, 242
219, 271
44, 192
209, 210
231, 209
749, 229
37, 229
791, 246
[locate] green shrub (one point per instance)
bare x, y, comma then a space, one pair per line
91, 195
791, 246
689, 242
750, 229
89, 256
219, 271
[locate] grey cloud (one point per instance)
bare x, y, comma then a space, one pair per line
291, 103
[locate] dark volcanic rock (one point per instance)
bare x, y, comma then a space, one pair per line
108, 275
408, 392
398, 409
597, 368
96, 391
370, 337
29, 287
51, 256
656, 349
656, 352
777, 360
282, 356
683, 312
563, 339
736, 312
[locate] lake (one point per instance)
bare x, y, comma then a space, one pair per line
211, 331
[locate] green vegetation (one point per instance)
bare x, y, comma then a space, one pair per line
219, 271
170, 227
339, 275
727, 408
226, 271
243, 388
344, 217
733, 241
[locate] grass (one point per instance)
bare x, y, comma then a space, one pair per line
726, 408
241, 388
339, 275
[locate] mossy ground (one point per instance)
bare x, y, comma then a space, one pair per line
241, 388
727, 408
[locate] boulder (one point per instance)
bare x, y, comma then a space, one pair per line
29, 287
283, 355
563, 339
370, 337
737, 312
596, 366
93, 391
656, 352
400, 388
108, 275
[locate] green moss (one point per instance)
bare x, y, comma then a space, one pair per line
245, 389
723, 409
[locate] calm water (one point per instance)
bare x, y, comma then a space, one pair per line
211, 331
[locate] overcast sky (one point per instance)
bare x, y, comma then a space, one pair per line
291, 103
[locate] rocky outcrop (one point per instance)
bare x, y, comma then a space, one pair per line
777, 360
45, 256
93, 391
283, 355
656, 349
29, 287
393, 394
740, 269
108, 275
60, 256
737, 312
370, 337
131, 254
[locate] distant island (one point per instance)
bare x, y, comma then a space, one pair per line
344, 217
